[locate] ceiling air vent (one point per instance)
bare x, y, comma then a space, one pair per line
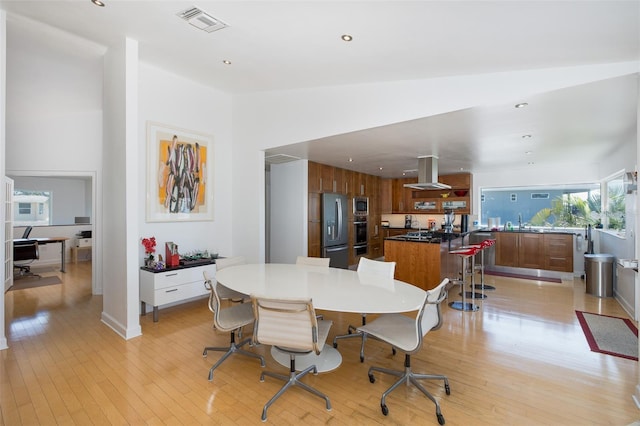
280, 158
201, 20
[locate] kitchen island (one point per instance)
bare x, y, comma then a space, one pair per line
423, 260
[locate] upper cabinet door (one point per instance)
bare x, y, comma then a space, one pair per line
314, 177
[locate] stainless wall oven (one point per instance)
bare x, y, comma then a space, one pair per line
360, 237
360, 207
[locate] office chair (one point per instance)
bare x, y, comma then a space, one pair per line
229, 319
25, 253
367, 266
225, 293
314, 261
26, 232
292, 327
406, 334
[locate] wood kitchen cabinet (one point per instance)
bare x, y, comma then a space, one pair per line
401, 196
386, 196
558, 252
507, 249
314, 231
531, 250
553, 252
431, 201
323, 178
520, 250
417, 263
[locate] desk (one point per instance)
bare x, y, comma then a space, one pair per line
44, 241
330, 289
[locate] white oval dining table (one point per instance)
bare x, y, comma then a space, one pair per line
330, 289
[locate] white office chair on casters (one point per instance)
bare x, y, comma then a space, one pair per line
322, 262
406, 334
367, 266
313, 261
230, 319
292, 327
225, 293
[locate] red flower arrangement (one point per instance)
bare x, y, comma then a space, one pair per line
149, 245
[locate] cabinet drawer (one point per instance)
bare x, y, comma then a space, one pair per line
181, 276
179, 292
83, 242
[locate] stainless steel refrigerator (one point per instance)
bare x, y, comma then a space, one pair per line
335, 235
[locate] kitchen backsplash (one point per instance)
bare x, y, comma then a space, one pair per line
420, 220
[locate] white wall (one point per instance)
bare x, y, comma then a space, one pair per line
3, 52
271, 119
54, 89
289, 188
121, 289
177, 102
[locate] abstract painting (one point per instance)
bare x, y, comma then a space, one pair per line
179, 174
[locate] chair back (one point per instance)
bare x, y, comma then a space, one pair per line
430, 316
27, 231
313, 261
288, 324
376, 267
230, 261
28, 251
214, 305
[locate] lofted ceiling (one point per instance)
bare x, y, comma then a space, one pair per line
287, 45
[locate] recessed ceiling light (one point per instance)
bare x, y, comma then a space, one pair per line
380, 168
521, 105
526, 136
346, 37
98, 3
350, 160
226, 62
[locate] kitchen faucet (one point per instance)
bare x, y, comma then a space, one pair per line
520, 221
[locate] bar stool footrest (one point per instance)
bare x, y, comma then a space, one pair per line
484, 287
465, 307
473, 295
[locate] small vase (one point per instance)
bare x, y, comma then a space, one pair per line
148, 261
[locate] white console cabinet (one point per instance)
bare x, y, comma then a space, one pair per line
172, 285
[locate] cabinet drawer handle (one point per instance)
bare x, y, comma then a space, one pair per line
171, 275
169, 291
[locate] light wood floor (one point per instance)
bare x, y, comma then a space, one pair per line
521, 360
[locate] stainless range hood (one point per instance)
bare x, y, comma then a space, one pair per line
427, 174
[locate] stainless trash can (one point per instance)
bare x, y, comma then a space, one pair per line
599, 272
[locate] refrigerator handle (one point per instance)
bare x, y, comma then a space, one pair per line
338, 248
339, 216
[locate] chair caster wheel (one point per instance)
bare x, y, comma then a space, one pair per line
447, 389
440, 419
393, 351
335, 345
361, 359
371, 378
385, 410
204, 354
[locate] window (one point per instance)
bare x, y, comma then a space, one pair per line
31, 208
614, 217
24, 208
561, 205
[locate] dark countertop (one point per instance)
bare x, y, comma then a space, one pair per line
435, 237
530, 231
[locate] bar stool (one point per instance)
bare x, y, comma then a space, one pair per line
485, 245
466, 253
